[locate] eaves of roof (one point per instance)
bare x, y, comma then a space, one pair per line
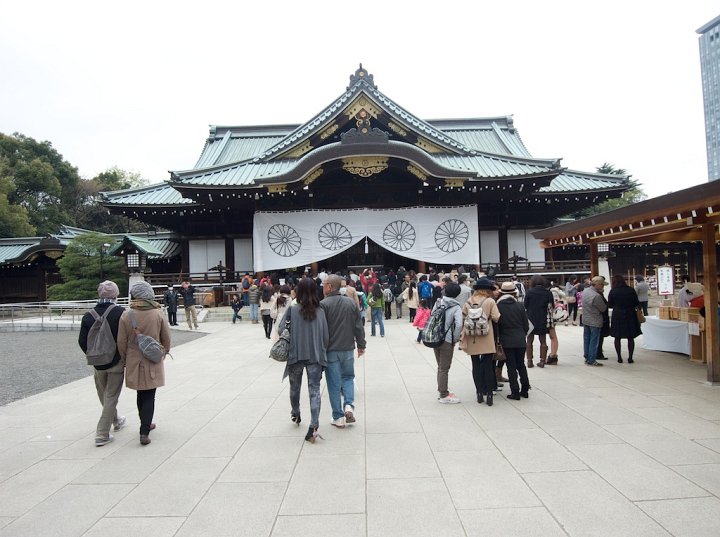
571, 181
162, 195
475, 166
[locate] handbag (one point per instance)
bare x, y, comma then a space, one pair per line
150, 347
640, 315
281, 348
570, 299
499, 352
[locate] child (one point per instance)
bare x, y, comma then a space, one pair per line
421, 317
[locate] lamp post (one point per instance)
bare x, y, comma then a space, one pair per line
103, 250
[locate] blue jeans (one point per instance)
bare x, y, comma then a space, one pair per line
340, 372
254, 308
376, 315
591, 336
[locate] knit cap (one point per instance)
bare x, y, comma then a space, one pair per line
142, 290
108, 289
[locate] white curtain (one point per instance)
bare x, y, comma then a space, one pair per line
434, 234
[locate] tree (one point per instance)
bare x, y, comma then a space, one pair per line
80, 269
89, 214
14, 219
633, 195
38, 179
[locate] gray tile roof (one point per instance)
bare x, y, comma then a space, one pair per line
161, 194
574, 181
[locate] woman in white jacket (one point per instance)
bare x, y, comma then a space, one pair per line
280, 303
412, 299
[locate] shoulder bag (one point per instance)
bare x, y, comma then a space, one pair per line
640, 315
281, 348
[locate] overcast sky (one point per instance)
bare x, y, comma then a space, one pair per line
136, 84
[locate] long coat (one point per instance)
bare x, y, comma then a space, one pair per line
141, 373
538, 301
623, 322
480, 344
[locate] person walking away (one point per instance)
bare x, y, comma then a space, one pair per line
345, 330
453, 331
388, 298
593, 307
520, 287
411, 297
465, 290
278, 309
266, 299
624, 323
421, 317
571, 299
512, 329
539, 306
398, 298
245, 285
642, 288
108, 377
171, 299
309, 340
253, 297
424, 288
481, 348
376, 301
187, 292
362, 301
143, 375
236, 305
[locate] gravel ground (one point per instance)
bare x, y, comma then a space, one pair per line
33, 362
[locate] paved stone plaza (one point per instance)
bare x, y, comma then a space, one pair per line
619, 450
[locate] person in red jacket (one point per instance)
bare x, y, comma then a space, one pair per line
368, 279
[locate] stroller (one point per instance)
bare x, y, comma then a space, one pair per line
560, 312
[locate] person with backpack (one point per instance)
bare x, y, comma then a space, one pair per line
245, 284
143, 375
424, 288
478, 337
98, 340
388, 298
376, 301
512, 332
451, 313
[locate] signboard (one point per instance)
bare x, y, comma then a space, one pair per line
666, 279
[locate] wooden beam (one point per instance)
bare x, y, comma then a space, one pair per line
594, 262
710, 267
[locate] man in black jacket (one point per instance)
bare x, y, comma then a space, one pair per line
171, 303
187, 292
108, 378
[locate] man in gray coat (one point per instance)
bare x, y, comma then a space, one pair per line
593, 308
345, 329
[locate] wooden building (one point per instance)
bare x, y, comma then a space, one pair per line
363, 151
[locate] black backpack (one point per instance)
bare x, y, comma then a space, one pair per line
433, 335
101, 344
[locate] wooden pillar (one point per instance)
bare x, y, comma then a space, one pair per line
711, 300
594, 263
421, 267
230, 259
503, 247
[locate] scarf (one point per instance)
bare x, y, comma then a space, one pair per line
143, 304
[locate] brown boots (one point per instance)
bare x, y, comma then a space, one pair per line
552, 360
498, 375
543, 355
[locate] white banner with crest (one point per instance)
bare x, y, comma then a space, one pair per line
447, 235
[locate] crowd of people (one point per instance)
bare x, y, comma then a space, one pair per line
495, 323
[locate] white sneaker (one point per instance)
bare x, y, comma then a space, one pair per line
349, 416
121, 421
103, 441
450, 399
339, 423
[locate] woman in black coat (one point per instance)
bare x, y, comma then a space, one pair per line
624, 323
512, 327
539, 304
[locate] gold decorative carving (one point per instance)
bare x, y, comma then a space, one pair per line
299, 151
428, 146
313, 175
362, 104
454, 182
417, 172
274, 189
397, 128
327, 133
365, 166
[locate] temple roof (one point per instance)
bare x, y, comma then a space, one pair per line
252, 158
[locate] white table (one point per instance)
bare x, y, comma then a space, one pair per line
665, 335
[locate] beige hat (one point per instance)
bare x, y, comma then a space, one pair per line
599, 279
508, 288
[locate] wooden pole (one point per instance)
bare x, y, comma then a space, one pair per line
594, 263
710, 268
